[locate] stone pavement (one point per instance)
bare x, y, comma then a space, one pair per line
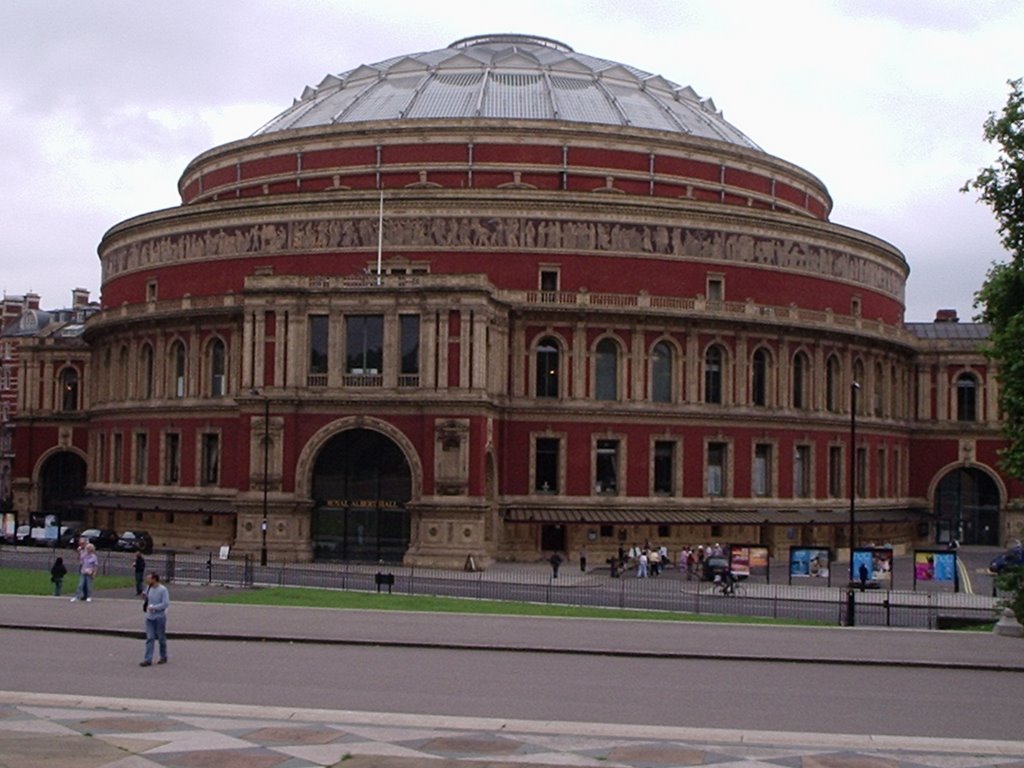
64, 731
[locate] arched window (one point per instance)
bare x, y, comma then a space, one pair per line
878, 397
713, 374
122, 374
548, 360
759, 378
801, 377
147, 371
69, 390
606, 370
966, 397
217, 379
178, 369
833, 377
661, 372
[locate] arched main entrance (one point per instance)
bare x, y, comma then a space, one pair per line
361, 484
61, 480
967, 507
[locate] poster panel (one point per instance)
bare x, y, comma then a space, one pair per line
934, 566
807, 562
739, 560
873, 564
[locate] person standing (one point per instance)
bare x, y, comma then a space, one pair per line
57, 574
641, 566
140, 572
583, 559
556, 562
155, 602
88, 563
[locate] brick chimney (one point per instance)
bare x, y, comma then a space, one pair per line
31, 301
946, 316
79, 298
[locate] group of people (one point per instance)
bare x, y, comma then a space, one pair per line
651, 560
155, 597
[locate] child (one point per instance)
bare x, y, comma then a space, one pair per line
57, 574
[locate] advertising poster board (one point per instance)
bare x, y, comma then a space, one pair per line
810, 563
872, 564
935, 565
749, 560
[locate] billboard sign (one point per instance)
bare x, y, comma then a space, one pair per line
810, 563
873, 564
748, 560
935, 565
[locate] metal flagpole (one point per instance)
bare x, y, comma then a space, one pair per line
380, 235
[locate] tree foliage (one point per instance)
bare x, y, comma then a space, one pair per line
1001, 297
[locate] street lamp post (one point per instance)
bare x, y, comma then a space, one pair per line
266, 477
854, 388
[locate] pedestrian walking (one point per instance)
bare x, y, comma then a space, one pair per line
641, 568
155, 601
556, 562
140, 572
87, 565
57, 574
583, 559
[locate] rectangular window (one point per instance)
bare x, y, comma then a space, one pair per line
409, 331
835, 471
862, 472
664, 467
172, 458
549, 284
716, 467
141, 458
716, 288
546, 450
117, 458
211, 459
606, 465
802, 472
319, 337
607, 531
761, 483
364, 345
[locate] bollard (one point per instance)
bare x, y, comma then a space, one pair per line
851, 608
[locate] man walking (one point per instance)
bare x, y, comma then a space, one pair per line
140, 572
155, 602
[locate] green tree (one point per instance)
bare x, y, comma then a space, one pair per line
1001, 297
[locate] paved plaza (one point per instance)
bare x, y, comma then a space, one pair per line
58, 731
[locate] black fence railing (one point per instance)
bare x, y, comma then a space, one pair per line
827, 605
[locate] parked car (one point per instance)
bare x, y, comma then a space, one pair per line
135, 541
101, 538
1009, 559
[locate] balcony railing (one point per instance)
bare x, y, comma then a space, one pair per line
362, 380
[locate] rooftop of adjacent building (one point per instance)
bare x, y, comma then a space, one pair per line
22, 316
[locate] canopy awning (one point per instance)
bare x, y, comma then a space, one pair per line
155, 504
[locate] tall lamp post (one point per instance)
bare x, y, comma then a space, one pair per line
266, 474
854, 388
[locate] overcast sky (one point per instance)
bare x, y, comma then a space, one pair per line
102, 104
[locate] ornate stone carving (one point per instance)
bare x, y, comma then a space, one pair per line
481, 233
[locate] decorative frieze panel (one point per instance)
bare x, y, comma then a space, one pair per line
505, 233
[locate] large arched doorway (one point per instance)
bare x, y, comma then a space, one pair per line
361, 485
967, 507
61, 481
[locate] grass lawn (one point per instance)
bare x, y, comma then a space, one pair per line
16, 581
371, 601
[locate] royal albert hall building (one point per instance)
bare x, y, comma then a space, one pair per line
503, 298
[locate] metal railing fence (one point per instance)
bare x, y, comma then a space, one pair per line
669, 592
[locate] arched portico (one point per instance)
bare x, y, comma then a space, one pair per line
966, 500
360, 482
60, 478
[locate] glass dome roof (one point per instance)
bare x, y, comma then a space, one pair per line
511, 77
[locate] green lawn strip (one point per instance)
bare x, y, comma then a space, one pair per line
17, 581
369, 601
